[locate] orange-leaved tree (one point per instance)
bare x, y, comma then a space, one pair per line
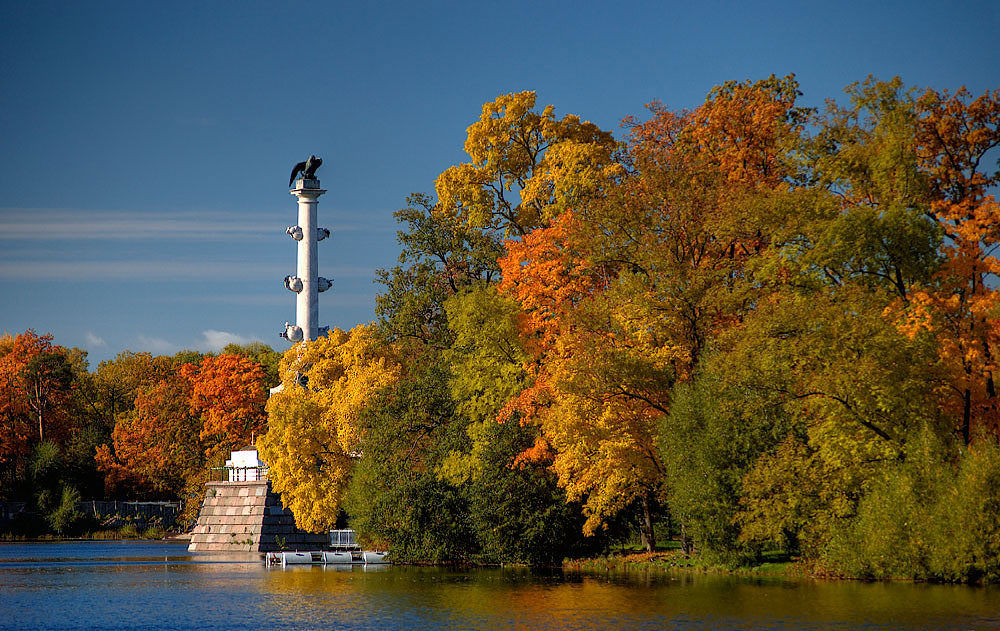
593, 403
155, 447
227, 391
956, 134
183, 423
36, 378
15, 416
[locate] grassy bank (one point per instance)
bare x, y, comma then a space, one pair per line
668, 561
128, 531
30, 526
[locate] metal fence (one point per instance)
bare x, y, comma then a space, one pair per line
166, 512
237, 474
343, 539
9, 509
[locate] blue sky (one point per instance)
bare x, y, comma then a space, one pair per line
146, 147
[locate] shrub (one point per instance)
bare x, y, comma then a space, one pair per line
967, 519
65, 516
926, 519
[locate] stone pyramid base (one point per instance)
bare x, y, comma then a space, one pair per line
248, 517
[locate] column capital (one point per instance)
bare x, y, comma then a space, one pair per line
307, 188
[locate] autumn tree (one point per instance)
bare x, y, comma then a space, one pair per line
621, 296
40, 375
314, 433
47, 378
441, 307
526, 167
228, 393
591, 398
261, 353
37, 379
15, 438
156, 446
955, 135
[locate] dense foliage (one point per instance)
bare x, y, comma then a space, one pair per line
772, 326
755, 326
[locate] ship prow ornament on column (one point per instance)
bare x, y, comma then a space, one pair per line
306, 284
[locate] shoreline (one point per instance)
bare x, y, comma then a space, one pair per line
629, 564
676, 562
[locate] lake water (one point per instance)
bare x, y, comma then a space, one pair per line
154, 585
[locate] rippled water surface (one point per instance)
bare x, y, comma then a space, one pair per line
130, 585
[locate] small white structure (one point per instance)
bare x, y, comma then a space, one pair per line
245, 466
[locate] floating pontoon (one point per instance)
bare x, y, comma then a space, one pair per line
344, 550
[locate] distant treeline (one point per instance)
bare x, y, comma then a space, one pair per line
137, 427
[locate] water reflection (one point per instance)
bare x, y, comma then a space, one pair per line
161, 586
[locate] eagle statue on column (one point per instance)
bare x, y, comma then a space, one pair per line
307, 169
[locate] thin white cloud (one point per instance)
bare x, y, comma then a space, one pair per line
157, 345
53, 224
211, 341
277, 298
95, 341
157, 270
280, 296
216, 340
80, 225
121, 270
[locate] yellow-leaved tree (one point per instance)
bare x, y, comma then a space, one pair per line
526, 166
314, 429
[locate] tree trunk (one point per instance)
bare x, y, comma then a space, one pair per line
38, 405
646, 526
991, 388
966, 415
685, 542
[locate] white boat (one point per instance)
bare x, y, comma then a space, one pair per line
374, 558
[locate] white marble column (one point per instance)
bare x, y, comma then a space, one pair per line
307, 233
